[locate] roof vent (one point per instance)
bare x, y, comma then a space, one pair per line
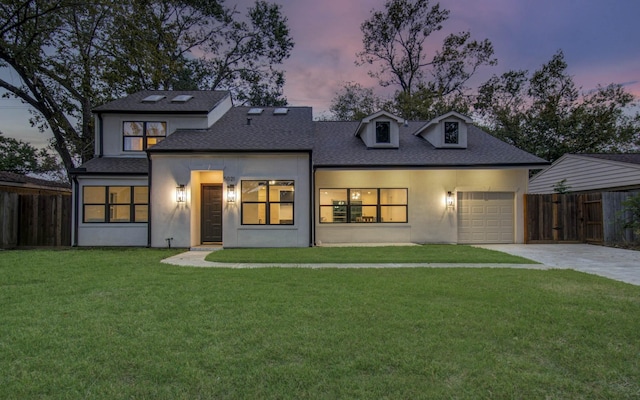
154, 98
255, 111
280, 111
183, 98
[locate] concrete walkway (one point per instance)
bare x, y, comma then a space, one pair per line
618, 264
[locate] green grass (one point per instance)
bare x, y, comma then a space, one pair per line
117, 324
432, 253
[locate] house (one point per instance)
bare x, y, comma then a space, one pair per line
188, 168
590, 173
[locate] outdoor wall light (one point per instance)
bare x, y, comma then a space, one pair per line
181, 194
449, 199
231, 193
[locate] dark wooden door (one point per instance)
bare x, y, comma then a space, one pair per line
211, 224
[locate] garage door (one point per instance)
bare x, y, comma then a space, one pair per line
485, 217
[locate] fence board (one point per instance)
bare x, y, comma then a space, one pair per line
8, 220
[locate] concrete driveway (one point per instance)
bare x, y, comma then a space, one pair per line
619, 264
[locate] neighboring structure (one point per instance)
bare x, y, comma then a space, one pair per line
188, 168
590, 173
22, 184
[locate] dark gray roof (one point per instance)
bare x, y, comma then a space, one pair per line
337, 146
630, 158
115, 165
203, 101
12, 177
239, 131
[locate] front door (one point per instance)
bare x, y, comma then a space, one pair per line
211, 224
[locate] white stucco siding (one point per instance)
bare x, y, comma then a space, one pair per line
113, 124
104, 233
429, 218
182, 221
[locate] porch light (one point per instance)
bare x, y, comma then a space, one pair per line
181, 194
449, 199
231, 193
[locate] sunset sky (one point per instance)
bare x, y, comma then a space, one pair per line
600, 40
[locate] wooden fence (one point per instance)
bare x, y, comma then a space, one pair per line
34, 220
577, 218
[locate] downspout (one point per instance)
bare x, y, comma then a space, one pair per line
76, 200
312, 226
149, 201
101, 134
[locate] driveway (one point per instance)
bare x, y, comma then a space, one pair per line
619, 264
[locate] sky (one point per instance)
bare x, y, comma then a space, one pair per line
600, 40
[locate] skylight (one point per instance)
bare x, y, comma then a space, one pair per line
255, 111
183, 98
280, 111
154, 98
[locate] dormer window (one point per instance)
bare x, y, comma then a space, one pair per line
451, 133
383, 132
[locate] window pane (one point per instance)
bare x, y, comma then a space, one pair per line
383, 132
364, 213
156, 129
132, 129
141, 213
393, 196
140, 194
333, 214
132, 144
393, 213
254, 191
254, 214
153, 140
119, 194
281, 191
281, 214
364, 196
93, 213
94, 194
331, 196
119, 213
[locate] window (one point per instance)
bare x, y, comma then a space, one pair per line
363, 205
267, 202
140, 135
383, 132
451, 133
115, 203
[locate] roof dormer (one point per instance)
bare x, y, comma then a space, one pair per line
448, 131
380, 130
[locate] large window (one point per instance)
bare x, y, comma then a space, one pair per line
451, 133
363, 205
115, 203
267, 202
140, 135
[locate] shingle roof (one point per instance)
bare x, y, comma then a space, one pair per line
630, 158
115, 165
239, 131
12, 177
202, 102
335, 145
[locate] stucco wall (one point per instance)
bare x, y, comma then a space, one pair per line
429, 219
182, 221
113, 123
109, 234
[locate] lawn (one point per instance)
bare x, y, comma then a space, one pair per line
118, 324
432, 253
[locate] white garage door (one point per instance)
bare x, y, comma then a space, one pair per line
485, 217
